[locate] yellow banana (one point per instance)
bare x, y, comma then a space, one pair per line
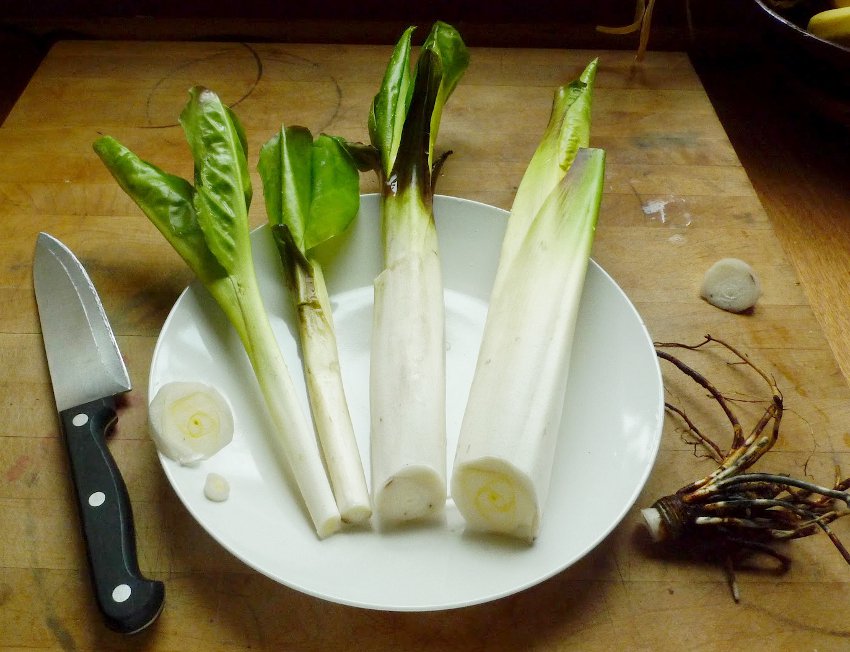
832, 24
840, 3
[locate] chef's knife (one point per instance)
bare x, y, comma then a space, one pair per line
88, 372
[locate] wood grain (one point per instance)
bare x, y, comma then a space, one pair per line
676, 199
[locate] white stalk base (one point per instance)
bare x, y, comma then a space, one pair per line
408, 395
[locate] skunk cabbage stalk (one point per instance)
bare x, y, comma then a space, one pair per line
407, 376
207, 224
312, 193
506, 447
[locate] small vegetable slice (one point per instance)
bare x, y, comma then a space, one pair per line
216, 488
731, 284
506, 448
312, 194
189, 421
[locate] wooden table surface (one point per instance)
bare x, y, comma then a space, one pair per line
676, 199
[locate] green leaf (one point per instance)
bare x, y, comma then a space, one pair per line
243, 141
311, 188
412, 167
407, 110
389, 108
445, 41
167, 201
285, 170
367, 158
574, 107
568, 215
222, 182
568, 130
291, 255
335, 191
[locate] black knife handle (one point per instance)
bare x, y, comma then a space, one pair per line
128, 601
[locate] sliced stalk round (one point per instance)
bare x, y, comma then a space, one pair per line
216, 488
497, 497
190, 421
412, 492
731, 284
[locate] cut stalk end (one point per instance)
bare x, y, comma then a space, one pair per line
414, 493
328, 526
654, 523
356, 514
493, 497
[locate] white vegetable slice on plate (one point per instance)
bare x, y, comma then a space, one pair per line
216, 488
506, 448
190, 421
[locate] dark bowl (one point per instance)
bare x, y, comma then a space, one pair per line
814, 66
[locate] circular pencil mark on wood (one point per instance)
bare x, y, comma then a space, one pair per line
303, 91
233, 72
284, 88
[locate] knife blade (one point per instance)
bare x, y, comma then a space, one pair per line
87, 373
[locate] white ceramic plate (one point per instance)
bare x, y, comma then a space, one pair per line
610, 433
